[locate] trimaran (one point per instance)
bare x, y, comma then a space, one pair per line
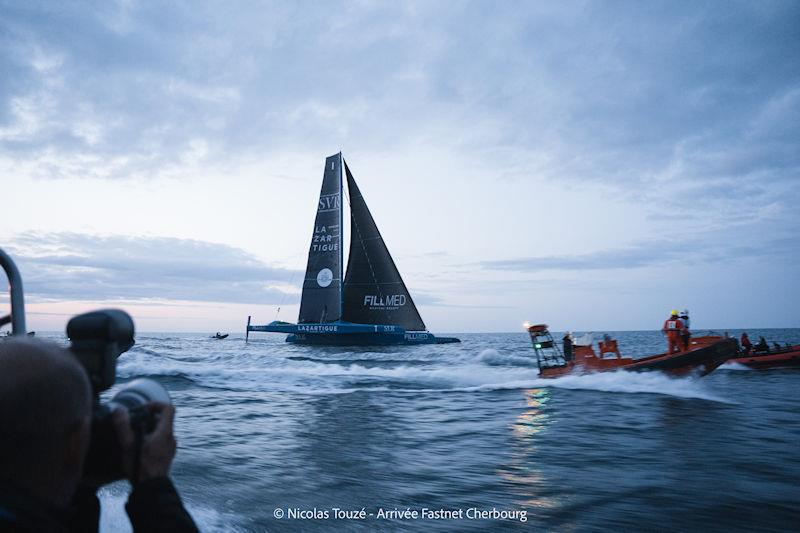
372, 305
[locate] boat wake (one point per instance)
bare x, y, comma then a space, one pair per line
422, 371
638, 383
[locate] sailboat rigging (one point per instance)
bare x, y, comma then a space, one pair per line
371, 304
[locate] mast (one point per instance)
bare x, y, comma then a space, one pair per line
341, 235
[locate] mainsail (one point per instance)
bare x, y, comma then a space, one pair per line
374, 292
321, 300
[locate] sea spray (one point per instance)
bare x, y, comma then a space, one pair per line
337, 371
637, 382
114, 518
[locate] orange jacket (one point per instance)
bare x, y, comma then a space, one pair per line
672, 325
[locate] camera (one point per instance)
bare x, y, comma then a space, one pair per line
97, 339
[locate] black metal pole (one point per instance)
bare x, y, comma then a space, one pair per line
16, 294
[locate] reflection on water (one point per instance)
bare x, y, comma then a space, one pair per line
534, 419
522, 473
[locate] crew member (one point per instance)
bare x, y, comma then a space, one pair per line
685, 333
567, 346
747, 346
672, 329
45, 416
762, 345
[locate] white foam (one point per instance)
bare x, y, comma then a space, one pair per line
490, 356
735, 366
638, 382
488, 370
113, 517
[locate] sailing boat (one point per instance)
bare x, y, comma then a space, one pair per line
372, 305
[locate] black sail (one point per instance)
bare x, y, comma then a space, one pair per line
322, 287
374, 292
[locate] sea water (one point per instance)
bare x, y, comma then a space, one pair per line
465, 437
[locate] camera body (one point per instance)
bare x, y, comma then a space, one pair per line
97, 339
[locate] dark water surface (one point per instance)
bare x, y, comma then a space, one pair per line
268, 426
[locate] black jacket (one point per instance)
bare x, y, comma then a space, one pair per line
153, 505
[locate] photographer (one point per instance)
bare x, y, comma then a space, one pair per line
45, 434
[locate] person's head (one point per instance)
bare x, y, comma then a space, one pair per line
45, 418
673, 313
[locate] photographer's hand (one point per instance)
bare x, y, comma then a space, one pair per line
154, 504
157, 448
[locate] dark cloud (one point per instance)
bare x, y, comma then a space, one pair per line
625, 93
71, 266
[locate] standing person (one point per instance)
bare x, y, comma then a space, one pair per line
672, 329
685, 333
567, 346
747, 346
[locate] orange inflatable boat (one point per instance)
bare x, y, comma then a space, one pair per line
703, 356
784, 357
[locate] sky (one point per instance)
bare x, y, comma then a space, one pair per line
590, 165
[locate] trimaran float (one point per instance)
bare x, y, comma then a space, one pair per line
372, 305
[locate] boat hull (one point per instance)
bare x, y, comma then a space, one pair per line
350, 334
366, 339
787, 358
702, 359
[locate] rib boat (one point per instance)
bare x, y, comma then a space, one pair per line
703, 356
784, 357
371, 305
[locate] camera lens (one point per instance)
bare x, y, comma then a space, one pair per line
139, 392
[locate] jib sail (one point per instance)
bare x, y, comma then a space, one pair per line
374, 292
322, 287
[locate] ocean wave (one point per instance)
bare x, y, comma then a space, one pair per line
358, 360
492, 357
488, 370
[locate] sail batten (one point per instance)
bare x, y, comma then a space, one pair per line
373, 292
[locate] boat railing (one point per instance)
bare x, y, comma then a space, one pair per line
17, 316
548, 355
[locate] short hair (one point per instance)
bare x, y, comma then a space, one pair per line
44, 395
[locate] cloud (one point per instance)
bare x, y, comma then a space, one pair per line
424, 299
659, 253
72, 266
633, 95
